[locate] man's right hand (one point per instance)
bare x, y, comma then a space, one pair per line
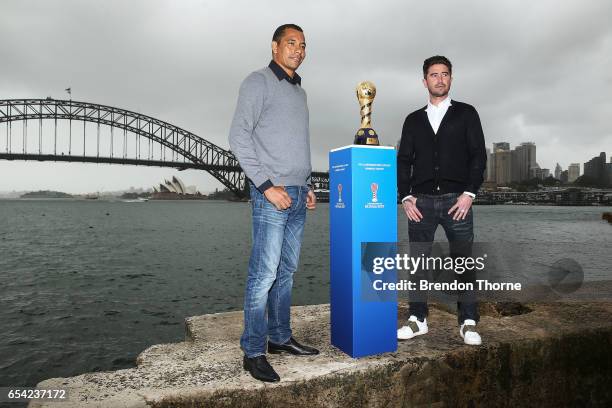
411, 209
278, 197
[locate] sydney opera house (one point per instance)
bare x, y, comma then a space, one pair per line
175, 190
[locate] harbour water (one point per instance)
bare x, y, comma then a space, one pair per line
87, 285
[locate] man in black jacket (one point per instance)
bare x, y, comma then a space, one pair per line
441, 163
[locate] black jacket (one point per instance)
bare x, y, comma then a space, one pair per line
451, 161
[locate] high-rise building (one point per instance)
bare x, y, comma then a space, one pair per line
523, 160
491, 160
491, 166
503, 167
490, 175
595, 169
526, 160
573, 172
515, 165
558, 171
545, 173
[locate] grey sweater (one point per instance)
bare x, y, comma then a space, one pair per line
269, 133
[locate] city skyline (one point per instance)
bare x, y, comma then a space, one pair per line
183, 63
506, 165
569, 161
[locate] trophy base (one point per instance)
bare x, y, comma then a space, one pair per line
366, 136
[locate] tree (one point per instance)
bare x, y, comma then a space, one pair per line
587, 181
551, 181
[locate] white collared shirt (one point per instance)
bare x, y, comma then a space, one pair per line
435, 114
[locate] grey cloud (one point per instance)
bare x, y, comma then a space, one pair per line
536, 71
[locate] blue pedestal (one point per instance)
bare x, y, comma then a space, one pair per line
363, 209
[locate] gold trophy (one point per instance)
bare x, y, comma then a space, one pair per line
366, 91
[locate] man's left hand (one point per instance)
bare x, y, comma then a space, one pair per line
311, 200
461, 207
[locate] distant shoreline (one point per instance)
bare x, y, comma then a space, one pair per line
46, 194
118, 199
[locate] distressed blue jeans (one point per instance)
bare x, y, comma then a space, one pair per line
277, 239
460, 235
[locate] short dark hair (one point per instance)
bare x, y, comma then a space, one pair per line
436, 59
280, 31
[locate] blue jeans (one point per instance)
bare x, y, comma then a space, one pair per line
460, 235
277, 238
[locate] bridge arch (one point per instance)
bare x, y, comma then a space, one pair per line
195, 151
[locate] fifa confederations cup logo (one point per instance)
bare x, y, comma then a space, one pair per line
339, 192
374, 188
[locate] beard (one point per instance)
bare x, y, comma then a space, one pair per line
438, 92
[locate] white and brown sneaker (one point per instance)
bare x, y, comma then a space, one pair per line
414, 328
469, 334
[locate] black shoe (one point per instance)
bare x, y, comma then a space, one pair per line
260, 369
292, 347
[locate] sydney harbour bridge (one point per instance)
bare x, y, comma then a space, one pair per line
71, 131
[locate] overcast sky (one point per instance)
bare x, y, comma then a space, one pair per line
536, 71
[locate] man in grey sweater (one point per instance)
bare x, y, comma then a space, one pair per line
270, 138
